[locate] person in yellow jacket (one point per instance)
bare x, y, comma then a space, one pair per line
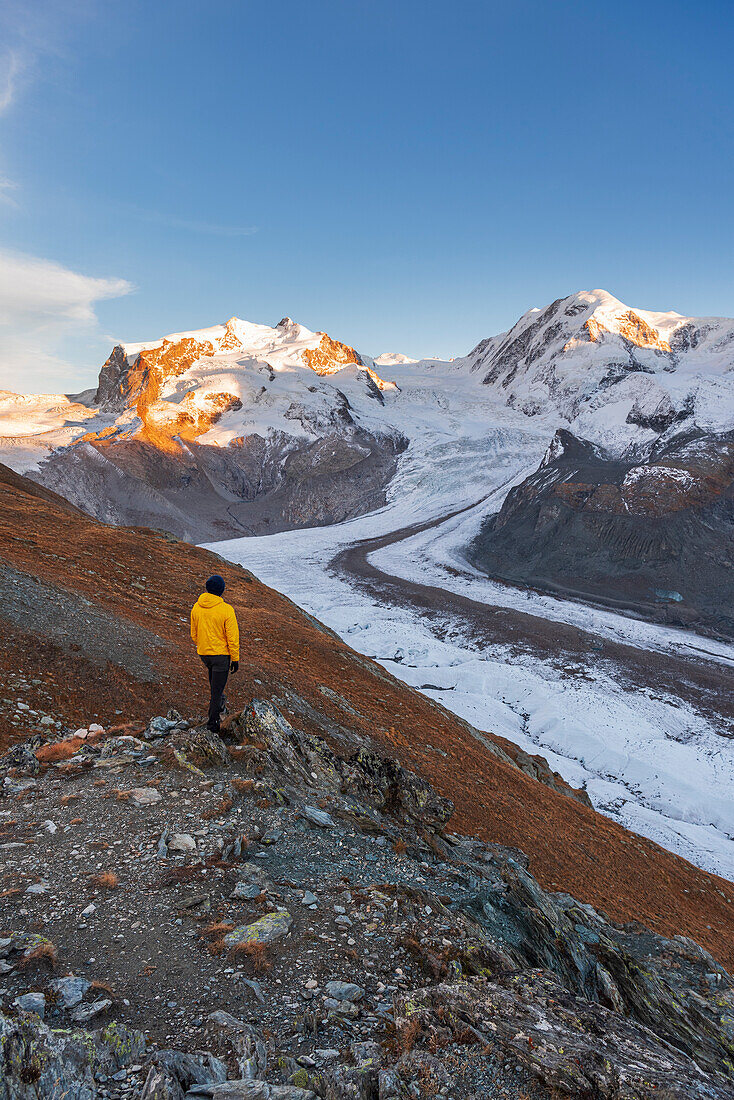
217, 639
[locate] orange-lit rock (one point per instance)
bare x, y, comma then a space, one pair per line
230, 341
330, 356
633, 328
380, 382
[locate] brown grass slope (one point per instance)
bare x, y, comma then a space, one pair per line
103, 624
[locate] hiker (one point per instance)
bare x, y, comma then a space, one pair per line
217, 640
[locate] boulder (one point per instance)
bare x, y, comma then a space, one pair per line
31, 1002
171, 1074
87, 1012
199, 747
144, 796
262, 931
344, 991
181, 842
69, 990
241, 1043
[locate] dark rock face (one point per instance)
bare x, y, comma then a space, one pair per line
203, 493
655, 536
572, 1045
37, 1063
111, 391
381, 782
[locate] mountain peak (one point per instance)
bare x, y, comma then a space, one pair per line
599, 299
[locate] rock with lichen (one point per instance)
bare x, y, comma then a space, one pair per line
572, 1044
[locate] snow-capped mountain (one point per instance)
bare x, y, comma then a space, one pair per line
615, 374
180, 387
244, 428
231, 429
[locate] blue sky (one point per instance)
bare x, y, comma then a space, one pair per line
408, 176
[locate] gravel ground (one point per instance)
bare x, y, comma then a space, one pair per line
150, 932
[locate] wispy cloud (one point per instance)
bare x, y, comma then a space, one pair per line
7, 186
192, 225
32, 34
11, 66
41, 303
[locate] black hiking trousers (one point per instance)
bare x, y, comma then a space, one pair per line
218, 668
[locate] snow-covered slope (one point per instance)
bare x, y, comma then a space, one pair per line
617, 375
32, 425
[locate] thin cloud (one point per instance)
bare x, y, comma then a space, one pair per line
36, 35
33, 35
10, 69
42, 303
6, 187
193, 226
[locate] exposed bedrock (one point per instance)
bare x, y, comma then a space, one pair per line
204, 493
654, 536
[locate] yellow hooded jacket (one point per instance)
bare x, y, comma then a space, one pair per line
214, 627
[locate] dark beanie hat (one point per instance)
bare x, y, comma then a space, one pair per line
215, 585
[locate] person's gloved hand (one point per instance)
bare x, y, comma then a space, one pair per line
234, 666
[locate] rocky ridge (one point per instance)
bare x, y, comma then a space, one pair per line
653, 534
276, 915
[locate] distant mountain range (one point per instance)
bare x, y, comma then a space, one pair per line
242, 429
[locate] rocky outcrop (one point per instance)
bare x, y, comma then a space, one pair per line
37, 1063
580, 1048
381, 782
112, 387
653, 534
330, 356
